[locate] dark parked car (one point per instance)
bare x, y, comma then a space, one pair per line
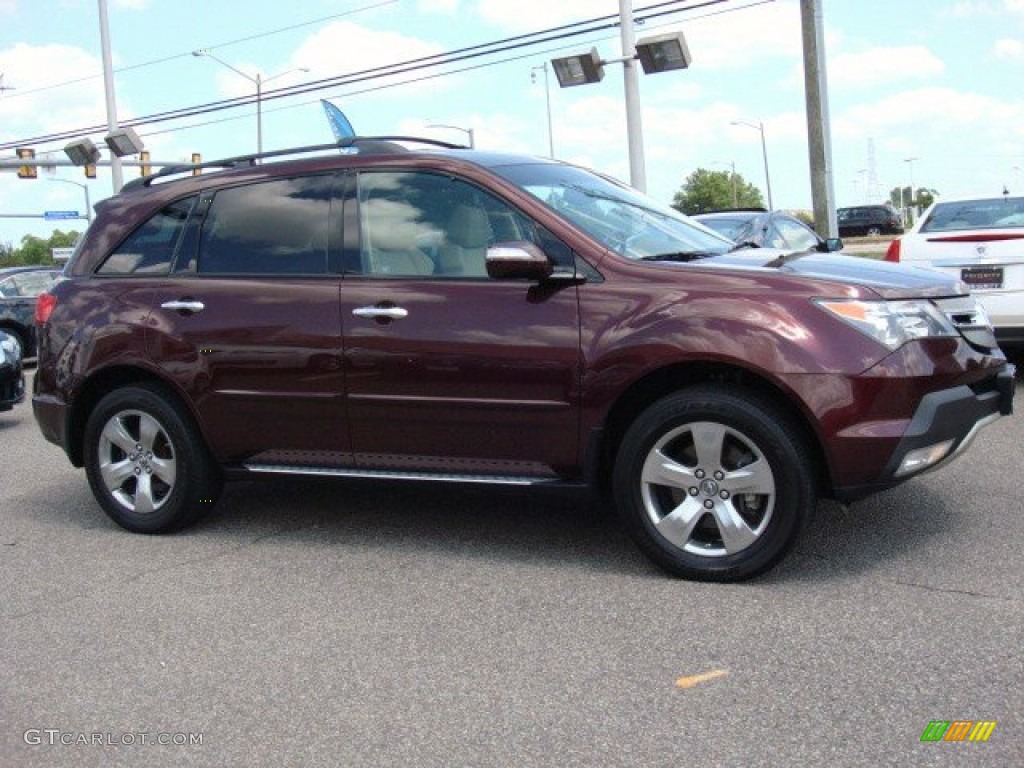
12, 382
868, 220
19, 287
768, 229
460, 316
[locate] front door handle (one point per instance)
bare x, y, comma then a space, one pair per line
184, 305
377, 313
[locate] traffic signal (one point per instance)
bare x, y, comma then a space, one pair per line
196, 160
90, 171
26, 171
145, 168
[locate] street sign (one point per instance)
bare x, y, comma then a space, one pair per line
50, 215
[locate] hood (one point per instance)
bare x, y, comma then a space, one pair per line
891, 281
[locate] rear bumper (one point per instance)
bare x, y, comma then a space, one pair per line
954, 416
52, 417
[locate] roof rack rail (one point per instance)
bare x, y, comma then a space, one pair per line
371, 144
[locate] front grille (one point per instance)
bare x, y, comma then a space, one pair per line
970, 318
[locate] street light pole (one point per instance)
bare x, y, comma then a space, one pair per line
547, 97
631, 82
258, 81
85, 189
764, 154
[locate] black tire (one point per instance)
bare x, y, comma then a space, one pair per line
729, 457
147, 463
873, 232
19, 337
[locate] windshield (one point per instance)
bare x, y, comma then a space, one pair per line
617, 216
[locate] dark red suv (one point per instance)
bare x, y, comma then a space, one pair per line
446, 314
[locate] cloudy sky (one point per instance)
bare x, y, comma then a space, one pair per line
922, 90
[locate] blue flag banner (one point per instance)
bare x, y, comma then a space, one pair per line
340, 126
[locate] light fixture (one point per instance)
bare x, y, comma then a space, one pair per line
82, 152
580, 69
663, 53
124, 141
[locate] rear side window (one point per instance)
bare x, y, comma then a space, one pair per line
149, 250
271, 228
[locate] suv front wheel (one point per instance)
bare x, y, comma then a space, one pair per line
713, 486
147, 465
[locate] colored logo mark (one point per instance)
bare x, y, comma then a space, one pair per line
958, 730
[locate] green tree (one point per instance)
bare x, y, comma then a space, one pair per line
900, 196
925, 197
706, 190
36, 250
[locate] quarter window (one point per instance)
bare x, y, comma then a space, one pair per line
150, 249
272, 228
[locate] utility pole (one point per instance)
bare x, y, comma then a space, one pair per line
108, 86
634, 120
819, 139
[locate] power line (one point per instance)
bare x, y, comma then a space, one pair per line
188, 54
423, 78
563, 32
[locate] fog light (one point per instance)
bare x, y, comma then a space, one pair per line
922, 458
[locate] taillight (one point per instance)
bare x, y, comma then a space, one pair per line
892, 253
44, 307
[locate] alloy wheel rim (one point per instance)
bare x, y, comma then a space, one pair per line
137, 461
708, 489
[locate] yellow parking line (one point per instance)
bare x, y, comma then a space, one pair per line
692, 680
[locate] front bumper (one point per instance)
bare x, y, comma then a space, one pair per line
949, 420
12, 389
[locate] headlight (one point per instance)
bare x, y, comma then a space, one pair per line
891, 323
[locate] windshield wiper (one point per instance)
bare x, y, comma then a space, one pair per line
744, 244
678, 256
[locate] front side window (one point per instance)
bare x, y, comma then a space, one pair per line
150, 249
429, 225
795, 235
270, 228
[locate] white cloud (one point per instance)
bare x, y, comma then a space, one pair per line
438, 6
30, 69
513, 14
345, 47
883, 65
752, 36
1008, 49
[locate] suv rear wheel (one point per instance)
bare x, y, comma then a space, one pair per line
713, 486
147, 465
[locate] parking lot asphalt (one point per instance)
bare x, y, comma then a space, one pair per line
358, 624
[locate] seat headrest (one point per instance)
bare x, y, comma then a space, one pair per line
469, 227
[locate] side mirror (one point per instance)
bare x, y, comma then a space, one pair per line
518, 260
833, 244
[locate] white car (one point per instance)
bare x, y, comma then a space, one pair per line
981, 240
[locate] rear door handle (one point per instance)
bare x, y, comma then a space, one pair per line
184, 305
388, 313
